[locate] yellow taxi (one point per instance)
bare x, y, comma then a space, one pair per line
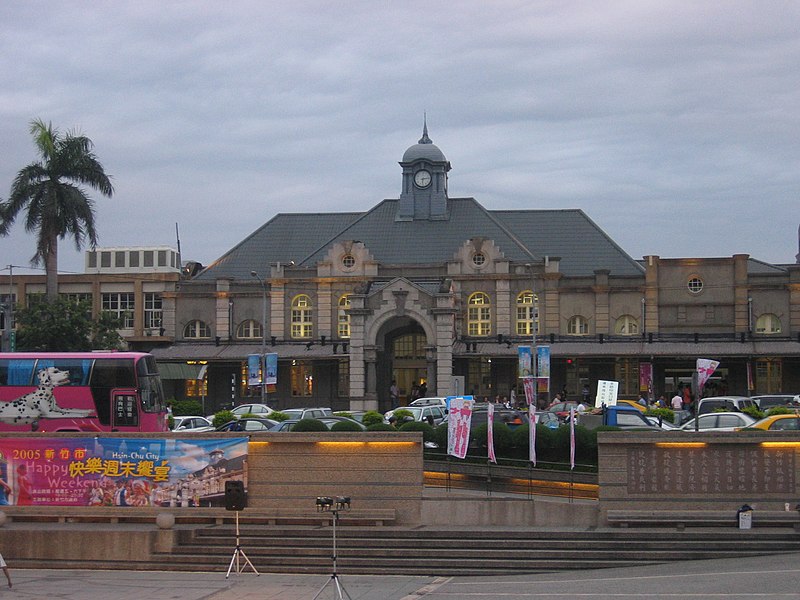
790, 422
632, 403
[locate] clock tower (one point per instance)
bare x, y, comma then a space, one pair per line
424, 193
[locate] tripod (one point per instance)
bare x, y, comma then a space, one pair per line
237, 553
341, 593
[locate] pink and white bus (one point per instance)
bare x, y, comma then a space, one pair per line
81, 391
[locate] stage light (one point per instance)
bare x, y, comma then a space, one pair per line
324, 503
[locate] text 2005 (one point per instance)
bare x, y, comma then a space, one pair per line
26, 454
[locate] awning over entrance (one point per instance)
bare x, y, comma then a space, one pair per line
181, 371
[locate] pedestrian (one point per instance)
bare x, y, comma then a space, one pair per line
4, 566
513, 398
677, 401
394, 394
423, 389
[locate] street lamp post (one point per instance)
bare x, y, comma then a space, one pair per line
262, 366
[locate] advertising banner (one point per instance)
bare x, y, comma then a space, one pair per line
705, 369
119, 471
530, 391
543, 361
525, 361
606, 393
271, 361
646, 378
253, 369
459, 420
532, 434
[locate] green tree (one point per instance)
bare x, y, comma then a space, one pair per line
65, 326
51, 192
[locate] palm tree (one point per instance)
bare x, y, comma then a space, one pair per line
56, 204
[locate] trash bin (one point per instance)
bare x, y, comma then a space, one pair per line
745, 516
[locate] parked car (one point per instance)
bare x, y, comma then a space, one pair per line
248, 424
789, 422
307, 413
727, 403
767, 401
561, 409
262, 410
191, 424
328, 421
421, 413
512, 418
720, 421
432, 401
633, 404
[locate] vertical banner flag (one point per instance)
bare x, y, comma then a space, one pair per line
253, 369
530, 393
646, 378
459, 420
750, 385
524, 361
490, 433
532, 433
705, 368
571, 437
543, 361
271, 362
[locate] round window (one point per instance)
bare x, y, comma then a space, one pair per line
695, 285
479, 259
348, 261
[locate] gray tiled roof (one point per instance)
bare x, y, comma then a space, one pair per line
522, 235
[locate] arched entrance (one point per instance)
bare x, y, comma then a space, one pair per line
402, 347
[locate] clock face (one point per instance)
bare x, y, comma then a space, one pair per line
422, 178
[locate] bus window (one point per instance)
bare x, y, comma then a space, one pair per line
16, 372
78, 369
152, 394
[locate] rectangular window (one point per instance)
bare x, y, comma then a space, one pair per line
302, 379
119, 259
769, 375
627, 374
105, 259
148, 258
162, 258
152, 310
344, 378
121, 305
133, 258
91, 259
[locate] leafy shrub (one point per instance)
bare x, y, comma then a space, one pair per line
754, 412
501, 434
186, 407
666, 414
346, 426
279, 416
401, 414
427, 430
372, 417
440, 435
309, 425
222, 417
380, 427
779, 410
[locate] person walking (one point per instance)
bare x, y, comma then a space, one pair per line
394, 394
4, 566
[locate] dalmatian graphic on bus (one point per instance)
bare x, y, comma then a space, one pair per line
40, 403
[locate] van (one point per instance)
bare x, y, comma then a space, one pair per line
726, 403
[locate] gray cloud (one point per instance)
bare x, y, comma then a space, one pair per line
673, 125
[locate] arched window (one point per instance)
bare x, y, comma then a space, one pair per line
343, 320
479, 315
626, 325
196, 330
249, 330
527, 313
302, 317
768, 324
577, 325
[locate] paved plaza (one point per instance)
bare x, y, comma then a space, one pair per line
774, 577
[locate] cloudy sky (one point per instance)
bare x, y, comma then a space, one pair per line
673, 125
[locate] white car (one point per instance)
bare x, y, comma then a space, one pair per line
720, 421
260, 410
191, 424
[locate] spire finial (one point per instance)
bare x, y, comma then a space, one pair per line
425, 139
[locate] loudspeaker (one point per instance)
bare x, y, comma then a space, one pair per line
235, 498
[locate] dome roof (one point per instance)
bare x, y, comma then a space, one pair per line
424, 149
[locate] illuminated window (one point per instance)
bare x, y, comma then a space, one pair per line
343, 319
577, 325
249, 330
302, 317
527, 311
626, 325
479, 315
302, 378
196, 330
768, 324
